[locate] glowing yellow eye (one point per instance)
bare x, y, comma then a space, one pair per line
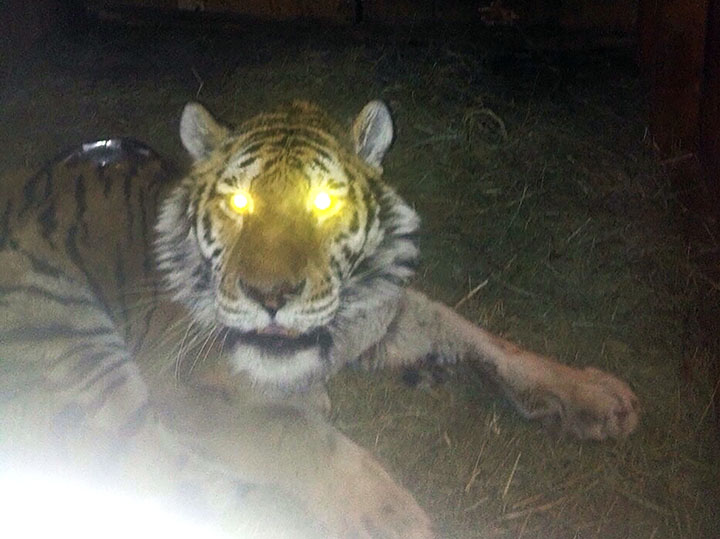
322, 201
240, 202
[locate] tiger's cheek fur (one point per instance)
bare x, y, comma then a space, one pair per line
281, 264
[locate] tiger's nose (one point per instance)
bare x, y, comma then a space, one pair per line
273, 298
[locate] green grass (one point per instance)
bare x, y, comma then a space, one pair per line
534, 176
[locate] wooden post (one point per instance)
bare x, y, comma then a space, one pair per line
672, 44
679, 55
710, 104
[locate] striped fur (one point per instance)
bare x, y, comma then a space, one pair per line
98, 348
74, 247
175, 334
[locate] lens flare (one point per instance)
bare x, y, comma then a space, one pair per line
240, 202
322, 201
76, 510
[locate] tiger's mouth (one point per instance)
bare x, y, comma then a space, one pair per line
279, 331
279, 339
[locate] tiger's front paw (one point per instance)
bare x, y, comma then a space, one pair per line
596, 405
355, 497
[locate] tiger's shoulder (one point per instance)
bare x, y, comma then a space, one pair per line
82, 182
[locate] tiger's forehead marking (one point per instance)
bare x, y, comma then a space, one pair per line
240, 170
284, 153
286, 141
299, 123
297, 147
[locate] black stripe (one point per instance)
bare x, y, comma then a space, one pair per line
173, 259
43, 267
325, 340
387, 207
349, 175
316, 135
249, 161
261, 135
88, 361
120, 280
213, 190
46, 294
394, 280
49, 184
80, 197
207, 226
410, 264
202, 273
354, 223
146, 233
318, 163
5, 225
129, 206
134, 163
81, 201
112, 367
277, 137
341, 237
254, 147
141, 334
413, 237
107, 182
76, 349
36, 333
106, 393
227, 145
30, 189
335, 266
371, 208
348, 253
270, 163
195, 202
48, 220
317, 147
76, 257
332, 183
133, 425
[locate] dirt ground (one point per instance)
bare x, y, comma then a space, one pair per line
546, 219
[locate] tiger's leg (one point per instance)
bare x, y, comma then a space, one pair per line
74, 405
587, 403
117, 438
277, 443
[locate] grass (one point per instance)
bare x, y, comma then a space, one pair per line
539, 194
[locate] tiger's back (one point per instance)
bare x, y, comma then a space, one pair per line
77, 275
88, 339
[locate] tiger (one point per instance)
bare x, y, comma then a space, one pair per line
169, 330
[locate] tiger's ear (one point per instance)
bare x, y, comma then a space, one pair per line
199, 131
372, 133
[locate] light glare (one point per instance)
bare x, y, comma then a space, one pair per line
322, 201
240, 202
35, 505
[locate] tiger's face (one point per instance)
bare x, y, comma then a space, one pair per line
278, 228
278, 220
